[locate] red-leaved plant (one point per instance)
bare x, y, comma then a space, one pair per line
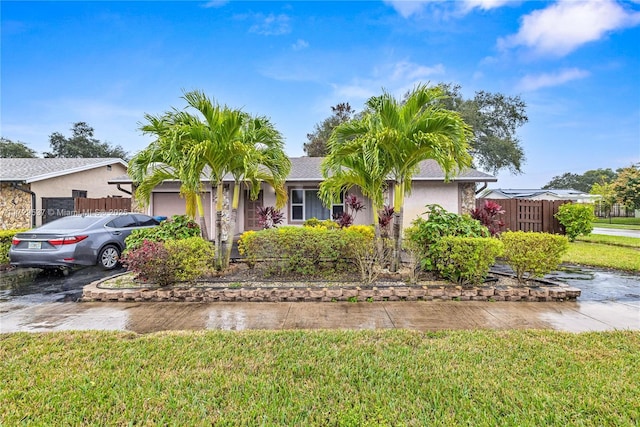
385, 216
353, 205
269, 217
152, 262
489, 216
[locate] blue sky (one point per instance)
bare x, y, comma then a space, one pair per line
575, 63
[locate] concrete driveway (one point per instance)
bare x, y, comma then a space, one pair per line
46, 304
617, 232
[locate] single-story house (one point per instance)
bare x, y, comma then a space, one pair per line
33, 191
538, 194
428, 187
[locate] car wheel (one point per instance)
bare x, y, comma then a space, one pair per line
108, 257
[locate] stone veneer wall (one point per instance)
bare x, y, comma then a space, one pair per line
15, 208
467, 197
352, 293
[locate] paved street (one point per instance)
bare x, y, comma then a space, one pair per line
617, 232
31, 300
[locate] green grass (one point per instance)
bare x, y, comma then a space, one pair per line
624, 223
631, 242
603, 255
318, 378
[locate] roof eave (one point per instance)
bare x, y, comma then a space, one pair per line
75, 170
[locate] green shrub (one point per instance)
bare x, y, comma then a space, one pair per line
315, 222
151, 262
466, 260
194, 257
576, 218
5, 243
165, 263
178, 227
303, 250
533, 254
423, 234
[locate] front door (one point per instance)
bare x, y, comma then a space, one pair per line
251, 211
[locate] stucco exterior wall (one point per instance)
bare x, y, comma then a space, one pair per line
15, 207
93, 181
426, 193
166, 201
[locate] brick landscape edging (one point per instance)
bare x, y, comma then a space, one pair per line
92, 292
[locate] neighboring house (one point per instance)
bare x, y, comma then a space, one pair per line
34, 191
457, 195
538, 194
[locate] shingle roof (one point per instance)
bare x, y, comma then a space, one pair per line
308, 169
31, 170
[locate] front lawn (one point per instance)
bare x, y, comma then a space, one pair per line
629, 223
321, 378
603, 255
631, 242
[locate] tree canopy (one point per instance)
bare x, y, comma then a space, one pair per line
494, 119
582, 182
81, 143
627, 186
318, 139
10, 149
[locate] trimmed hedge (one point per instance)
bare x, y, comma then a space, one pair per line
5, 243
304, 250
425, 233
533, 254
165, 263
466, 260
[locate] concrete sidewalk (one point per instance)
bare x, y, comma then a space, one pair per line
424, 315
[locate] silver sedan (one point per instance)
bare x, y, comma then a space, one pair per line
77, 240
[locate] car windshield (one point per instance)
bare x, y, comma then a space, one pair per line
71, 223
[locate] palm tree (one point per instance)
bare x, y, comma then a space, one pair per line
165, 159
354, 161
258, 157
229, 141
399, 135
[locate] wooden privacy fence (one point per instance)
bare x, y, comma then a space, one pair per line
529, 215
104, 204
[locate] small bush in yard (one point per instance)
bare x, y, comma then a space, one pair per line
178, 227
5, 243
576, 218
152, 262
533, 254
466, 260
489, 216
194, 257
425, 233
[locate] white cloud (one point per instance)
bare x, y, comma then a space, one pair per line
530, 83
396, 78
271, 24
566, 25
484, 4
405, 70
215, 3
300, 44
407, 8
